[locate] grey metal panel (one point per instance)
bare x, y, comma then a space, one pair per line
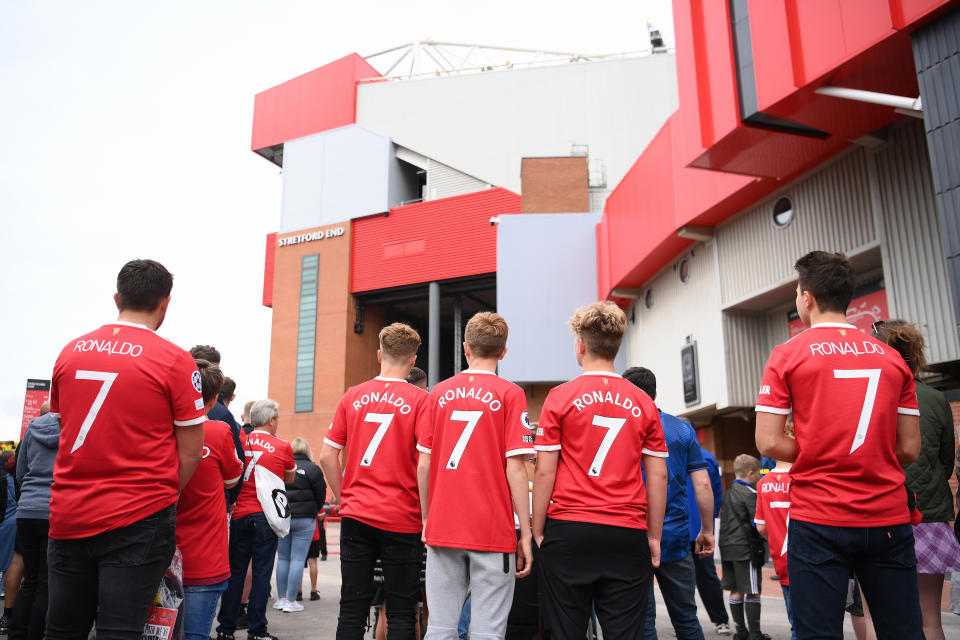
935, 50
918, 286
746, 338
831, 212
444, 182
546, 268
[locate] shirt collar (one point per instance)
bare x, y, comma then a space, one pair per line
490, 373
267, 433
833, 325
746, 484
385, 379
601, 373
135, 325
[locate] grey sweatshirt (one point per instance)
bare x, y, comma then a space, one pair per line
35, 467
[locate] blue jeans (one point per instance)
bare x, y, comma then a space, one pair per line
251, 540
199, 607
708, 584
786, 602
464, 625
291, 554
678, 583
821, 560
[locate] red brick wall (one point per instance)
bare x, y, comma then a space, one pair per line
555, 185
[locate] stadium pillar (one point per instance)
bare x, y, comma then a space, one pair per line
433, 347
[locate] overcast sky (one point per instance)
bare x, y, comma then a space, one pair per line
126, 134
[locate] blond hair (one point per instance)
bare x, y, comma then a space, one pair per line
744, 464
486, 334
601, 326
399, 341
301, 446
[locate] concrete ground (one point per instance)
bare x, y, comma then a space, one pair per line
319, 619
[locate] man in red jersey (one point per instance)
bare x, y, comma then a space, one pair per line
201, 522
602, 537
772, 518
856, 421
131, 436
252, 540
380, 487
478, 480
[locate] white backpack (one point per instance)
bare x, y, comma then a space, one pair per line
272, 494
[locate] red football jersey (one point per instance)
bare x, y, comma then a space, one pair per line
380, 422
480, 420
202, 508
268, 451
845, 390
120, 392
773, 511
601, 424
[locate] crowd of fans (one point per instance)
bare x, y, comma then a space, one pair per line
139, 456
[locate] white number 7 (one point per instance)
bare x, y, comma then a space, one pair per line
613, 425
873, 382
384, 419
471, 418
107, 379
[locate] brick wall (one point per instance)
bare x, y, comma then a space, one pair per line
555, 185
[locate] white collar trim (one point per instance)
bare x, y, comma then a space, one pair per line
385, 379
135, 325
833, 325
489, 373
602, 373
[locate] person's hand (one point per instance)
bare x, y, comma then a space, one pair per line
524, 556
654, 552
705, 544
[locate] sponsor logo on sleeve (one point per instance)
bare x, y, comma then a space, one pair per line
195, 378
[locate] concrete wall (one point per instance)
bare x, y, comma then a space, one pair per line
546, 268
472, 123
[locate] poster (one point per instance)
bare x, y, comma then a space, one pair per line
38, 392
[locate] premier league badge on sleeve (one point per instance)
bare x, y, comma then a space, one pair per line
196, 382
525, 420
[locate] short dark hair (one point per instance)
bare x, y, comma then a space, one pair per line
142, 285
643, 378
829, 277
211, 379
416, 375
206, 352
229, 387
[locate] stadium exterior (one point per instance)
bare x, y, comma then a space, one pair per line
681, 185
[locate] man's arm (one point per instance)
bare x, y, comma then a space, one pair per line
289, 476
908, 438
771, 440
330, 463
189, 450
762, 529
520, 492
655, 468
543, 479
704, 495
423, 485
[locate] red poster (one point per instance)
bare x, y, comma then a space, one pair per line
38, 392
862, 312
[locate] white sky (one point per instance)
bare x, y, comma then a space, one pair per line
126, 134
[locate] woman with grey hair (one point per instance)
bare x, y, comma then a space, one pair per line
305, 495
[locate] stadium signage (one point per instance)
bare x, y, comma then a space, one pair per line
336, 232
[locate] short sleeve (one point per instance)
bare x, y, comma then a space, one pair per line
548, 432
424, 426
774, 396
230, 466
908, 404
760, 517
183, 388
654, 442
289, 464
695, 459
337, 432
518, 439
55, 389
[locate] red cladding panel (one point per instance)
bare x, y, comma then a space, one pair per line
269, 264
319, 100
427, 241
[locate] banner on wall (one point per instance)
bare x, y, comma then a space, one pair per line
38, 392
868, 306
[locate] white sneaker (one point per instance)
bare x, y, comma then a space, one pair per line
723, 629
280, 603
292, 606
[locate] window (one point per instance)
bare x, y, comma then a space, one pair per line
782, 212
307, 333
648, 299
684, 270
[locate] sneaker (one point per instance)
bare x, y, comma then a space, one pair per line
723, 629
760, 636
299, 596
323, 557
4, 625
291, 607
280, 603
261, 636
742, 634
242, 618
314, 595
224, 636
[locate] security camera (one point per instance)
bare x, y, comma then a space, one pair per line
494, 220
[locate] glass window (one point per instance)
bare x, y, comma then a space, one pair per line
306, 333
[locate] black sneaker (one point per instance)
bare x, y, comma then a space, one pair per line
242, 618
224, 636
299, 596
323, 558
261, 636
314, 595
4, 625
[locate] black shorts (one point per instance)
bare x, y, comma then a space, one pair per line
314, 550
741, 576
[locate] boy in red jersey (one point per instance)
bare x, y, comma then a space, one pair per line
602, 538
201, 522
131, 436
856, 421
477, 482
380, 487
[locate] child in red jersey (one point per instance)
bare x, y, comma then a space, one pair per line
478, 481
856, 420
382, 487
597, 524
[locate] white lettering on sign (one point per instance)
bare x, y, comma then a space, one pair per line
310, 237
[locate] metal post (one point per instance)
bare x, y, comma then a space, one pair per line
457, 335
433, 349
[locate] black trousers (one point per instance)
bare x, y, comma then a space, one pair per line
401, 554
708, 584
113, 575
582, 564
30, 610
